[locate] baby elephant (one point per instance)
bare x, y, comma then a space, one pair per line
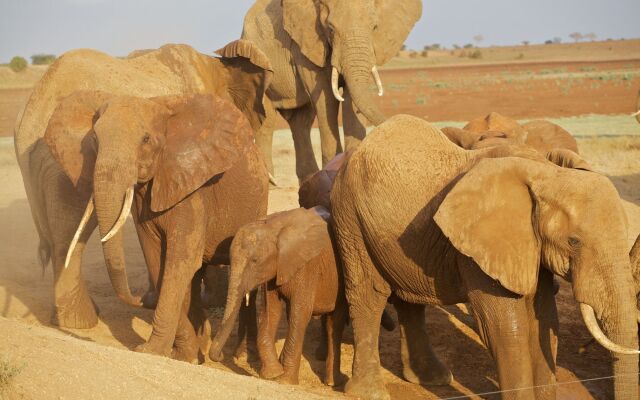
292, 254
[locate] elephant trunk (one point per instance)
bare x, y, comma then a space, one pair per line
612, 322
113, 193
358, 69
235, 294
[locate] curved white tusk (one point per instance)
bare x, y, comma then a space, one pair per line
334, 85
376, 77
272, 180
246, 299
126, 209
635, 114
83, 223
589, 317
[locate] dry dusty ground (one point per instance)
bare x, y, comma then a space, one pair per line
26, 295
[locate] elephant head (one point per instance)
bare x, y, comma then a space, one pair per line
353, 37
108, 145
316, 190
277, 247
528, 213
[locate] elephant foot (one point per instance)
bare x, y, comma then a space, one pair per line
287, 379
250, 353
150, 300
187, 354
433, 374
83, 314
151, 348
335, 379
271, 371
368, 388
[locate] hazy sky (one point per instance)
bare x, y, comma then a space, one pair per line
28, 27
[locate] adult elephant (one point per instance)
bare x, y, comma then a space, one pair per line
57, 204
311, 44
431, 227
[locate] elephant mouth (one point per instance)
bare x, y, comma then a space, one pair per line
338, 91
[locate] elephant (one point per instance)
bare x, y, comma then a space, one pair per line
316, 189
443, 225
290, 254
189, 167
57, 204
312, 44
496, 129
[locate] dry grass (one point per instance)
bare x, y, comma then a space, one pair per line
8, 371
21, 80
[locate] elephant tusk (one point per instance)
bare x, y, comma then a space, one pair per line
589, 317
376, 77
635, 114
246, 299
334, 85
126, 209
83, 223
272, 180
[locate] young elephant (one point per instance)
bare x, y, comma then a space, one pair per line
496, 129
290, 252
190, 168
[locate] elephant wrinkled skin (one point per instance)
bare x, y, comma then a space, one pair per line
442, 225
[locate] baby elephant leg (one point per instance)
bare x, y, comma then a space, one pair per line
269, 313
334, 324
300, 309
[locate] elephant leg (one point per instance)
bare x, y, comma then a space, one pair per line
321, 350
73, 306
269, 312
543, 339
264, 137
247, 330
354, 123
326, 107
334, 327
152, 252
185, 345
185, 248
503, 326
300, 121
420, 363
198, 315
299, 313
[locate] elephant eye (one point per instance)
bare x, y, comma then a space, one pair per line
146, 138
574, 241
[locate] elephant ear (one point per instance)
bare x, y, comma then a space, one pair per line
70, 136
301, 20
568, 159
302, 241
396, 19
250, 74
488, 216
462, 138
205, 136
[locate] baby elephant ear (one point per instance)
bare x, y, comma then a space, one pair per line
69, 136
568, 159
301, 241
488, 216
205, 136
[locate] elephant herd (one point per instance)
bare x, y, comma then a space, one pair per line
489, 214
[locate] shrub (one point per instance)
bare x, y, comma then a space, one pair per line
476, 54
413, 54
468, 46
424, 53
18, 64
42, 59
